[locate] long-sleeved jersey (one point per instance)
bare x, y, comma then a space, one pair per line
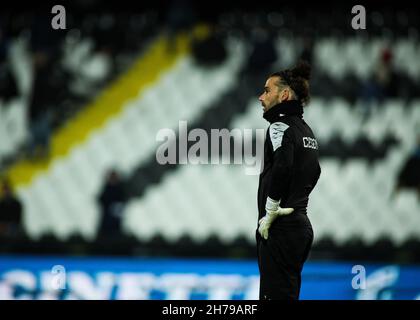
291, 167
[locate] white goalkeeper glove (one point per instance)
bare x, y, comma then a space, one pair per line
273, 210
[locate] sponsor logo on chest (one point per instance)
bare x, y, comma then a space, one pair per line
310, 143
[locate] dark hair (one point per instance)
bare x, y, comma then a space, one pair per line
297, 79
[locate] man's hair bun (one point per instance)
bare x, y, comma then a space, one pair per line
302, 70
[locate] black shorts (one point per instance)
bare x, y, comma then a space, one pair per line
282, 255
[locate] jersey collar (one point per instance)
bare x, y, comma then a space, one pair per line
290, 107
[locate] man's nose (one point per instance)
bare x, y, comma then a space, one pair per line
260, 97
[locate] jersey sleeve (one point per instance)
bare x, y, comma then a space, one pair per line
282, 142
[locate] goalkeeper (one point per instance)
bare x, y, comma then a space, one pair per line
291, 171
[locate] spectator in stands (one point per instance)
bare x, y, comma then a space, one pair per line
382, 84
8, 84
263, 53
10, 212
409, 176
40, 114
307, 50
180, 17
208, 48
111, 200
47, 87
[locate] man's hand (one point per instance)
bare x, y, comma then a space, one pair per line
273, 210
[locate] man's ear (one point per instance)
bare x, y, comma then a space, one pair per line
284, 95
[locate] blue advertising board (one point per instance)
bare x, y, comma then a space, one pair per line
36, 277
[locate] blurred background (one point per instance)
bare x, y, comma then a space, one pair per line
86, 211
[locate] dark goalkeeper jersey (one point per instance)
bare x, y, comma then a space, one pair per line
291, 167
